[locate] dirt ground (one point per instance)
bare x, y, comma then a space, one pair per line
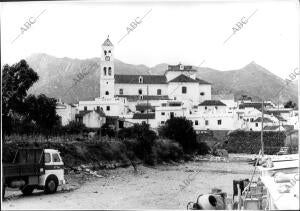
159, 187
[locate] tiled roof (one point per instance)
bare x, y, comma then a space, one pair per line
275, 127
83, 113
177, 68
183, 79
144, 106
276, 112
256, 105
200, 81
134, 79
265, 119
280, 118
212, 103
107, 42
145, 97
143, 116
287, 128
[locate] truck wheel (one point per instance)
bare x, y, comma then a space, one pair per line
27, 190
51, 184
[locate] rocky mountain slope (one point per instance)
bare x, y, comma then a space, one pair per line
58, 75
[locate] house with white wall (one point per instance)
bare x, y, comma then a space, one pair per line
91, 118
66, 112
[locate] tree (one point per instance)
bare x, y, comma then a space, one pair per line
145, 138
16, 80
41, 110
290, 104
181, 130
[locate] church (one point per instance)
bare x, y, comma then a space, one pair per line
121, 95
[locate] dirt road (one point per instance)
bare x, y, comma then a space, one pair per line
161, 187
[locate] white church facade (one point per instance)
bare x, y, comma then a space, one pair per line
120, 94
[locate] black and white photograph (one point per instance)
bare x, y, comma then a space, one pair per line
150, 105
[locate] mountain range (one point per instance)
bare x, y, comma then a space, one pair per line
58, 78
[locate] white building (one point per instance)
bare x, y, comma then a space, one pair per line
66, 112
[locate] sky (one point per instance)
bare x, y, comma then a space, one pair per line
187, 32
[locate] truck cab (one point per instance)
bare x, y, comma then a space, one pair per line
34, 168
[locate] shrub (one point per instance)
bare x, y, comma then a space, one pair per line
180, 130
145, 138
106, 130
166, 150
74, 127
250, 142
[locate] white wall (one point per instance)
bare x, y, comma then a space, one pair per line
117, 107
162, 114
93, 120
132, 89
66, 112
206, 88
228, 121
192, 94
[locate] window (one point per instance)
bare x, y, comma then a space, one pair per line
107, 93
109, 71
162, 122
108, 108
55, 157
109, 51
98, 108
256, 124
105, 52
219, 122
47, 158
183, 90
85, 108
162, 113
140, 91
104, 70
120, 91
140, 79
205, 108
181, 67
159, 92
206, 122
164, 104
251, 120
202, 93
141, 97
216, 107
196, 122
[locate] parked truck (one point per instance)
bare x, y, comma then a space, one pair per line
34, 168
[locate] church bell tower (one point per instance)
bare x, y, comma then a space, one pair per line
107, 72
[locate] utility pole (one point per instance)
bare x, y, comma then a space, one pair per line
147, 104
262, 129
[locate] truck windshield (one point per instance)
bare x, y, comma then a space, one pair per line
47, 158
55, 157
